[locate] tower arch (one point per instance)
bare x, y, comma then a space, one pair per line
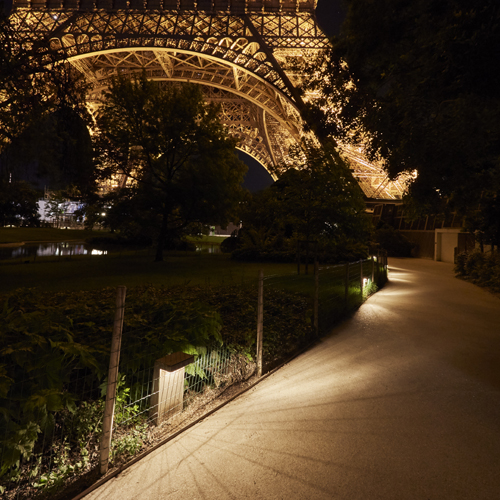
246, 54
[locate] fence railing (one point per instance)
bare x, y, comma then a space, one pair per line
52, 434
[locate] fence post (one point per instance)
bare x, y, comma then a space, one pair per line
316, 297
373, 269
114, 360
260, 322
346, 281
361, 277
378, 265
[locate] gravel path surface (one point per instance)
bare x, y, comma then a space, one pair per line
400, 402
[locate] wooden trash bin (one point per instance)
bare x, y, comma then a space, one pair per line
168, 386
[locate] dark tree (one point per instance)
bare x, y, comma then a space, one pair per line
43, 112
69, 160
175, 159
315, 199
415, 82
319, 197
18, 204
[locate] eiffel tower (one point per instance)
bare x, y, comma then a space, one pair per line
247, 55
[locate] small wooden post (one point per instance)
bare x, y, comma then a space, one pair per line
114, 361
346, 281
260, 322
361, 277
316, 297
373, 269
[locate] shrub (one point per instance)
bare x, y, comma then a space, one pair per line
230, 244
480, 268
50, 342
473, 264
460, 264
335, 253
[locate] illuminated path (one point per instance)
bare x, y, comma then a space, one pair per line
400, 402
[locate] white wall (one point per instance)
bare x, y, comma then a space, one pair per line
446, 240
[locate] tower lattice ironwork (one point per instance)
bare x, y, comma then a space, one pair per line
247, 55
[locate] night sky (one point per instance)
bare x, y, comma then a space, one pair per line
257, 177
330, 15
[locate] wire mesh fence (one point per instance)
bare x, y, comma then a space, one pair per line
168, 392
331, 291
172, 364
51, 413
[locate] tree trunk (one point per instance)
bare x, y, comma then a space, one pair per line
162, 236
307, 255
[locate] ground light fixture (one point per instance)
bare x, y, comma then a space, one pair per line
168, 386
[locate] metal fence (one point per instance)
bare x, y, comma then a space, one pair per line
161, 399
55, 430
51, 418
333, 290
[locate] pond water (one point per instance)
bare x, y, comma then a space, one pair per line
208, 247
72, 248
48, 250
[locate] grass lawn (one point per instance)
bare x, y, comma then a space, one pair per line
135, 268
208, 239
25, 234
132, 269
184, 269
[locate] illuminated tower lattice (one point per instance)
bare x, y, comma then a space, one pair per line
247, 55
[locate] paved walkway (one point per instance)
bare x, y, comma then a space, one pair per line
400, 402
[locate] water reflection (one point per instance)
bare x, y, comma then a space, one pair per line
208, 248
48, 250
68, 249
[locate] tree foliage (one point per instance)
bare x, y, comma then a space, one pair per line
314, 199
68, 156
415, 83
320, 198
176, 159
43, 113
18, 204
